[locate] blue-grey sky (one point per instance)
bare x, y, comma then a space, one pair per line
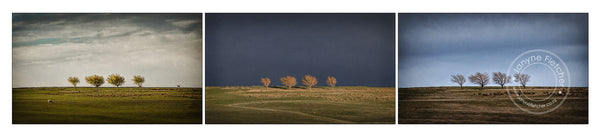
357, 49
164, 48
431, 47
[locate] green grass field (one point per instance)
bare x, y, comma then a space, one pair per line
107, 106
470, 105
320, 105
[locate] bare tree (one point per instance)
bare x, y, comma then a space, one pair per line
288, 81
95, 80
521, 78
115, 79
331, 81
460, 79
74, 81
266, 82
138, 80
481, 79
309, 81
501, 79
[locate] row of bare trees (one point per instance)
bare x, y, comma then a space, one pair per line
308, 80
114, 79
483, 79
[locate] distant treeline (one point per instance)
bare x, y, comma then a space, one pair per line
483, 79
114, 79
308, 80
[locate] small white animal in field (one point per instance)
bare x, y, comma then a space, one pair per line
50, 102
559, 92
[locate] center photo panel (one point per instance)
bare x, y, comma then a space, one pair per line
300, 68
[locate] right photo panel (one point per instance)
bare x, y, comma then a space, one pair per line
493, 68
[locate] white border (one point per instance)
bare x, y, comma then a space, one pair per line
396, 72
203, 70
504, 6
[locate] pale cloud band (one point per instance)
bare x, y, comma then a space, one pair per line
164, 48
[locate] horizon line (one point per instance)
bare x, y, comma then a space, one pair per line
485, 86
104, 87
292, 86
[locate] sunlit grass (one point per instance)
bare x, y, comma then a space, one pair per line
127, 105
300, 105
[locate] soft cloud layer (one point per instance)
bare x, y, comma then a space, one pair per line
164, 48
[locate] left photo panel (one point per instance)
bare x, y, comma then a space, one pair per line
101, 68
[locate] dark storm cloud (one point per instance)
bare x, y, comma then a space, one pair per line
434, 46
358, 49
26, 24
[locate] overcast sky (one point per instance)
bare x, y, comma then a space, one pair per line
357, 49
164, 48
434, 46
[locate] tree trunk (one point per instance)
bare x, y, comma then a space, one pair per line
481, 87
460, 86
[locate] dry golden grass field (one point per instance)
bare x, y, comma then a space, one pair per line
320, 105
